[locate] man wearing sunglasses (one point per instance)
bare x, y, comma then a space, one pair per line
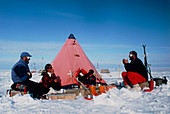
136, 72
21, 77
49, 78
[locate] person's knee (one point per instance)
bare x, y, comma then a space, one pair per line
124, 74
130, 74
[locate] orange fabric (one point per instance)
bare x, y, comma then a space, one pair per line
102, 89
93, 90
82, 70
71, 58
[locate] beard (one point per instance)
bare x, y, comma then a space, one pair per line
27, 61
131, 58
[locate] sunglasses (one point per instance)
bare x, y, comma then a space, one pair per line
130, 55
50, 67
28, 58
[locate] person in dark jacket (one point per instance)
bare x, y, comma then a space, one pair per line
49, 78
90, 78
87, 79
21, 76
136, 72
21, 71
81, 78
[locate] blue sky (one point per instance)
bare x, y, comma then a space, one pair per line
106, 29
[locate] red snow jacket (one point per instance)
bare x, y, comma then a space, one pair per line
47, 80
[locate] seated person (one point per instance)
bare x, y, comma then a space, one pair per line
81, 78
49, 78
21, 76
90, 78
136, 72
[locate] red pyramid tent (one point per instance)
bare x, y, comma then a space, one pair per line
70, 60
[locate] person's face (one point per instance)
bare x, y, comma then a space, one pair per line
26, 59
131, 56
50, 69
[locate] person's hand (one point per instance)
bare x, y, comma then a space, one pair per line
55, 80
29, 74
52, 71
125, 61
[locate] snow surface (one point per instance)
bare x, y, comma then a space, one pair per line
114, 101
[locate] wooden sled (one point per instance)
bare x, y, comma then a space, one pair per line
76, 91
68, 96
14, 92
142, 85
53, 96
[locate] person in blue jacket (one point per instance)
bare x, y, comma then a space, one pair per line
21, 71
21, 75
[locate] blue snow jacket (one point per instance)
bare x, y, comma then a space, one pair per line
19, 71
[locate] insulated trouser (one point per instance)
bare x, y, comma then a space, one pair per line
132, 78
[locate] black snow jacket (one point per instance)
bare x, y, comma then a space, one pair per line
137, 66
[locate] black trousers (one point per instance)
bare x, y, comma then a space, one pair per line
37, 89
55, 86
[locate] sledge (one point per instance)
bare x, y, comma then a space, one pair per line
56, 96
158, 81
14, 92
53, 96
142, 85
76, 91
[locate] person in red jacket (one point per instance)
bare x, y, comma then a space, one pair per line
49, 78
136, 72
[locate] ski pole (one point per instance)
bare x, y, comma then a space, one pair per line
146, 63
